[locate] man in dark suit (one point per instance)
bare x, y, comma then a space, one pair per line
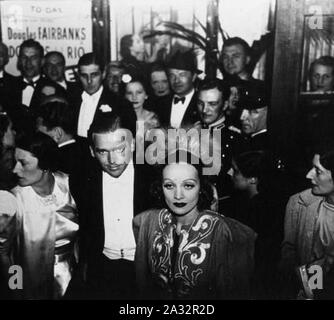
27, 87
115, 190
94, 99
180, 109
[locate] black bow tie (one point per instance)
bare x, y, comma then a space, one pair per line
178, 99
26, 84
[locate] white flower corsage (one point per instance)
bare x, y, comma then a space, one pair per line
105, 108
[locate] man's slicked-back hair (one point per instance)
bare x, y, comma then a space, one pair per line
90, 58
31, 43
208, 84
104, 123
57, 114
238, 41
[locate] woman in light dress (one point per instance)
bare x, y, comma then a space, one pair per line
46, 220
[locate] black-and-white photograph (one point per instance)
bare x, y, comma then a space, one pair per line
166, 151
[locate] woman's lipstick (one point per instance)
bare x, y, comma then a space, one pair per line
179, 204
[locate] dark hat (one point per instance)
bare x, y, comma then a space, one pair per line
253, 95
184, 61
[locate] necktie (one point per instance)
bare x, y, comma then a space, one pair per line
178, 99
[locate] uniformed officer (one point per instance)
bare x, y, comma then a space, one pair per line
254, 105
211, 108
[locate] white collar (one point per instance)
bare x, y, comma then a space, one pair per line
125, 176
34, 79
66, 143
256, 133
1, 73
63, 84
187, 96
94, 96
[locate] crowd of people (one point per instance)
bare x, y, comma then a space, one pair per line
86, 217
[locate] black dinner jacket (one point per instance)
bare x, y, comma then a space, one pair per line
7, 83
18, 87
258, 142
88, 195
118, 105
24, 116
165, 108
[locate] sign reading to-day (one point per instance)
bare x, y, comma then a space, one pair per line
64, 26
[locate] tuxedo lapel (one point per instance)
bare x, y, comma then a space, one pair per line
142, 183
104, 99
164, 110
95, 222
191, 114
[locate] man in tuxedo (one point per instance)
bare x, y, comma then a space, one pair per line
28, 86
115, 190
180, 109
54, 69
94, 99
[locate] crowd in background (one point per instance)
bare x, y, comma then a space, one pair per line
85, 219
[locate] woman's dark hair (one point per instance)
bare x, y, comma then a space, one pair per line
126, 43
327, 161
4, 124
141, 80
257, 164
43, 147
250, 163
206, 189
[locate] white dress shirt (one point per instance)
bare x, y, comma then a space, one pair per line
63, 84
179, 109
118, 194
87, 111
28, 91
